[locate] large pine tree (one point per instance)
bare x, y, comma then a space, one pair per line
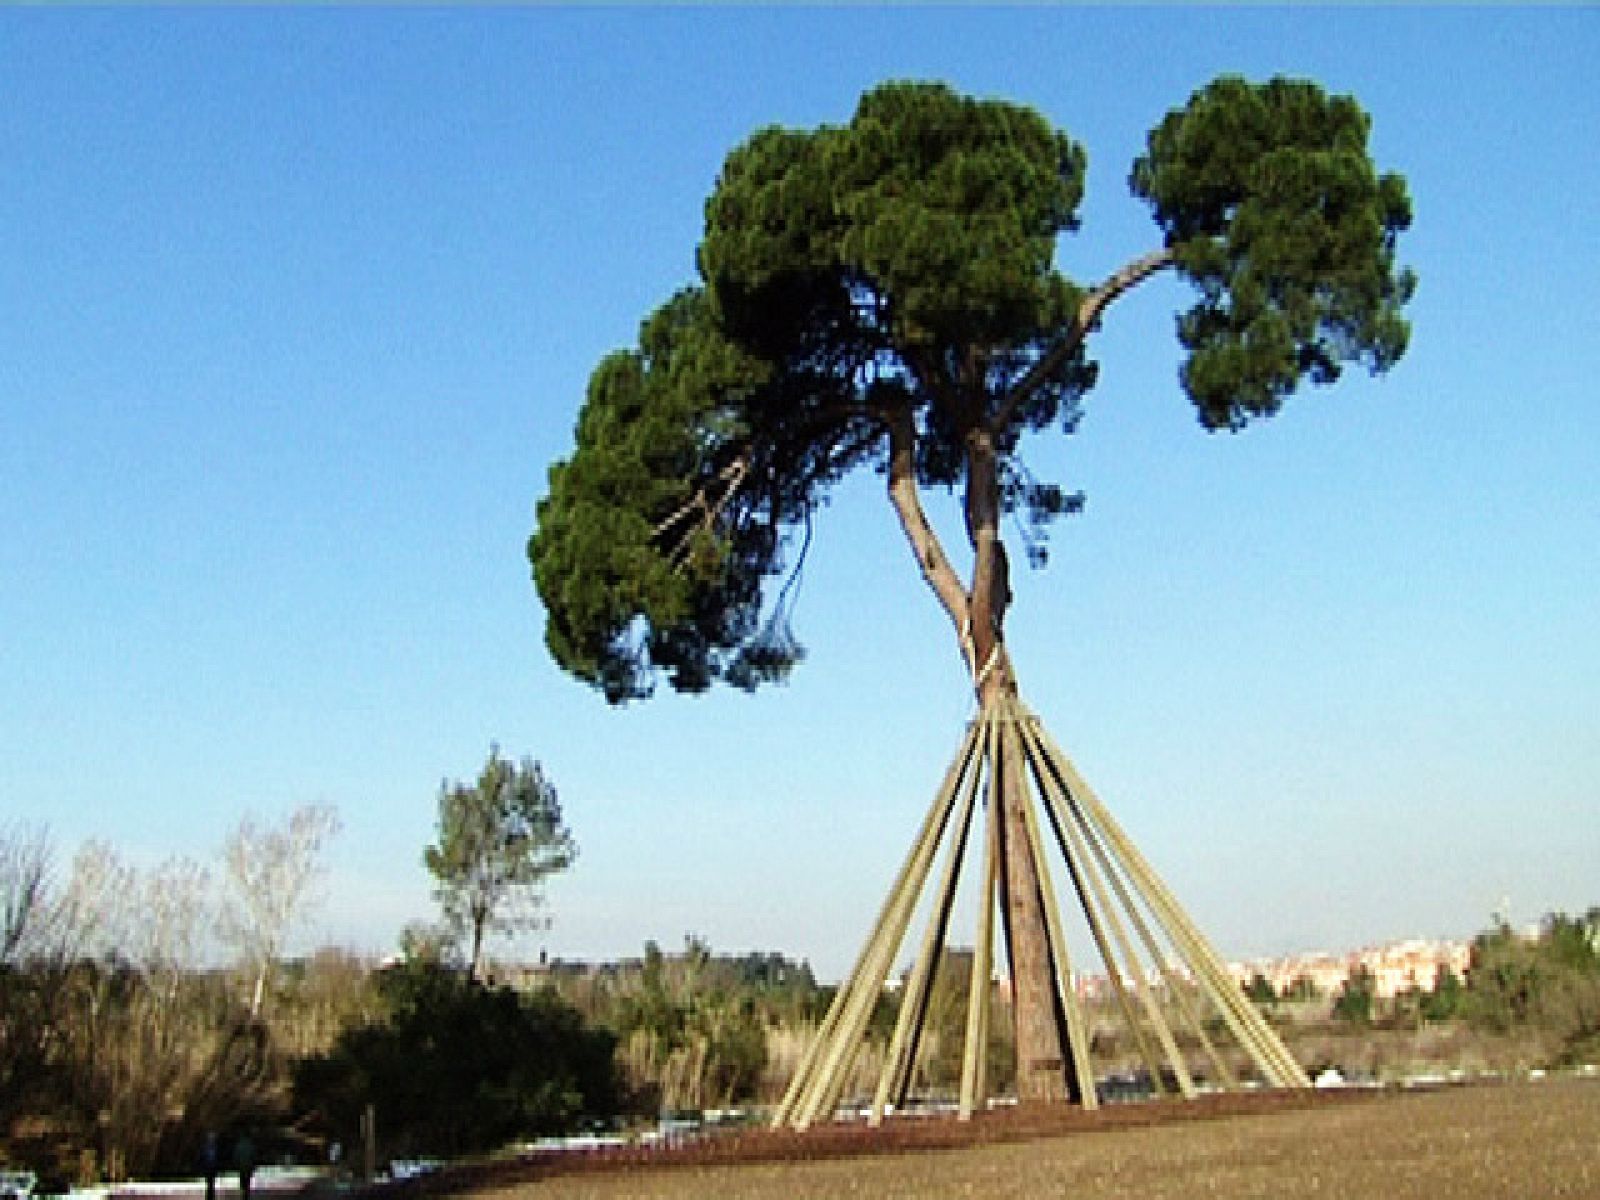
884, 294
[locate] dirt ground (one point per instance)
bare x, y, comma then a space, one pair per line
1529, 1140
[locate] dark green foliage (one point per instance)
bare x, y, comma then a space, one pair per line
1444, 1003
1272, 208
928, 222
459, 1068
894, 278
706, 1008
1507, 976
693, 1027
1573, 943
636, 576
784, 991
847, 273
1354, 1000
1549, 984
1301, 988
1260, 991
26, 1071
943, 1046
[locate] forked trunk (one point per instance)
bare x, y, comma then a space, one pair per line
1040, 1023
978, 614
978, 611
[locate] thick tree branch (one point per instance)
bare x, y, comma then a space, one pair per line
925, 545
1129, 277
1090, 309
991, 585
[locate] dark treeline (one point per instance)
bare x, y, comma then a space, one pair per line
119, 1055
1546, 987
122, 1052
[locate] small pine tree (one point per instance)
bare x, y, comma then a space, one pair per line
1354, 1001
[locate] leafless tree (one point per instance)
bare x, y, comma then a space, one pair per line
108, 1020
270, 873
24, 889
92, 917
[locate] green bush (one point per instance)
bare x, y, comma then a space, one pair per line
1549, 983
459, 1068
1354, 1001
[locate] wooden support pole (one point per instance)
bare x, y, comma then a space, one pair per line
974, 1058
1134, 971
823, 1092
806, 1075
1248, 1026
1006, 748
1177, 986
1041, 1034
1086, 902
1210, 977
1082, 881
1095, 873
898, 1063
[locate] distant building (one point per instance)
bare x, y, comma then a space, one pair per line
1396, 967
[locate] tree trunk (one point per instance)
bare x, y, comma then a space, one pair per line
978, 614
1040, 1023
480, 920
259, 992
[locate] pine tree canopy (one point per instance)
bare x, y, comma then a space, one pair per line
1272, 209
885, 293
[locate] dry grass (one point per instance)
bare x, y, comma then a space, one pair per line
1525, 1140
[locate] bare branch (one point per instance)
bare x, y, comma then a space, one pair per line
1090, 309
734, 472
269, 875
925, 545
24, 888
709, 509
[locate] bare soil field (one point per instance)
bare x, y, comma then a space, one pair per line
1529, 1140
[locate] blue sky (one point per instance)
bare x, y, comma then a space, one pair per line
297, 306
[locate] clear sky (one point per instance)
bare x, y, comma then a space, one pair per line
298, 305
